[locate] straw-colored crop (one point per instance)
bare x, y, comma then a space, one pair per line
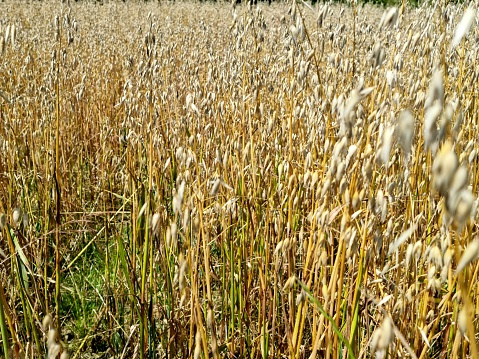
216, 180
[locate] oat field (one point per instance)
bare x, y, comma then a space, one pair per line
208, 180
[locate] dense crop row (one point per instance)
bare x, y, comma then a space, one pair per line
211, 180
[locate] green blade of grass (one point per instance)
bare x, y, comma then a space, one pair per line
331, 320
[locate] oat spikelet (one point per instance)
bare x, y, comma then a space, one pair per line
471, 253
3, 220
289, 284
197, 352
389, 18
459, 181
435, 93
54, 350
403, 237
387, 140
7, 34
216, 187
17, 213
444, 168
383, 336
462, 319
405, 132
47, 322
12, 35
463, 26
464, 206
155, 224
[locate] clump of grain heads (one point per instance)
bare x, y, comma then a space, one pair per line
450, 180
194, 173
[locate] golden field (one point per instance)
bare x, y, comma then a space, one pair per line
207, 180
